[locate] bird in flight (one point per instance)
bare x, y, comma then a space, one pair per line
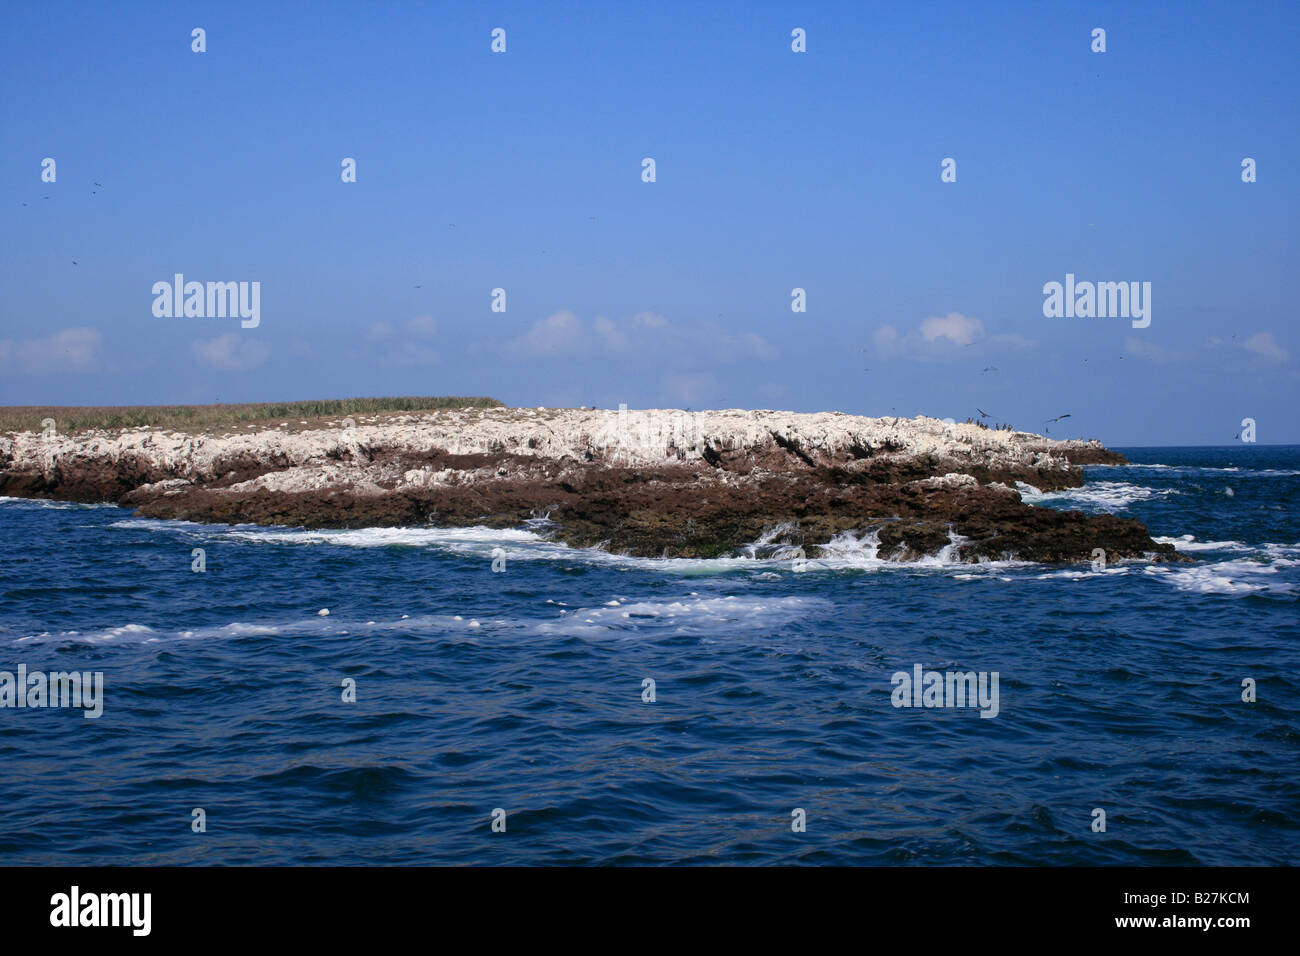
1056, 419
990, 368
983, 414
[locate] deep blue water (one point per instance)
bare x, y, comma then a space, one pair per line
1119, 690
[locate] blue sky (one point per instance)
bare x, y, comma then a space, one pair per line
775, 170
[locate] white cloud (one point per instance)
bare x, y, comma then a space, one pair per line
232, 352
401, 346
557, 334
939, 336
1263, 343
563, 334
422, 325
70, 350
955, 327
410, 355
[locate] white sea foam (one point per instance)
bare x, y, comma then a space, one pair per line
949, 553
1188, 543
1280, 552
847, 551
126, 633
1224, 577
54, 505
309, 626
687, 614
853, 549
1108, 496
1227, 470
1083, 574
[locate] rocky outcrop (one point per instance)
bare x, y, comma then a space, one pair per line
659, 482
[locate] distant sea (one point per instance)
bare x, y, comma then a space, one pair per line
525, 690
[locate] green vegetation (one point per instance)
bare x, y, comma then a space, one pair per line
69, 419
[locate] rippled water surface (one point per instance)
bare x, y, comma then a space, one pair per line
1120, 689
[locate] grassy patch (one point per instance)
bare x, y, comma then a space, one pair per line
70, 419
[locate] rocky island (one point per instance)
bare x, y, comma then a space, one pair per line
649, 483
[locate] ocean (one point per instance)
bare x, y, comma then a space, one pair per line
506, 716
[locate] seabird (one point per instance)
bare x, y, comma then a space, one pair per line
1057, 418
983, 414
